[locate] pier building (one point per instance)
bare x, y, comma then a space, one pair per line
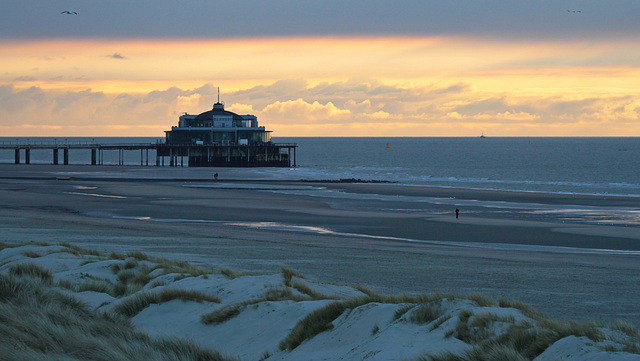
215, 138
222, 138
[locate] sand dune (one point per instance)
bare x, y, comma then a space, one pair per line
286, 316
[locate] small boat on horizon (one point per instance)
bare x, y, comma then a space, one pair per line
482, 135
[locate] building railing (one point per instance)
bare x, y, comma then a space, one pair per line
87, 145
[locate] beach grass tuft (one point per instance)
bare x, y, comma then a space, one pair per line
139, 255
32, 254
482, 300
304, 288
627, 328
31, 270
272, 294
41, 323
522, 307
314, 323
80, 251
489, 352
133, 305
222, 315
119, 256
440, 321
528, 338
288, 274
279, 293
131, 281
130, 263
96, 285
320, 320
426, 312
401, 311
227, 272
495, 352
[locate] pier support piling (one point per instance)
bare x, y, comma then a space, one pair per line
197, 155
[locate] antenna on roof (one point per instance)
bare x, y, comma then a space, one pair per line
218, 105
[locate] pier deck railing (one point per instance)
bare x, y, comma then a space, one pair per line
174, 151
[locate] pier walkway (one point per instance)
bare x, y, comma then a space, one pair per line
198, 155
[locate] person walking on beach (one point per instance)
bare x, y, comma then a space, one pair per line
457, 212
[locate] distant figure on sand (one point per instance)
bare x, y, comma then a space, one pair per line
215, 176
457, 212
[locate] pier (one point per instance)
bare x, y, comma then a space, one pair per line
174, 155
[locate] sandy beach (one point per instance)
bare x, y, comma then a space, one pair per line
570, 256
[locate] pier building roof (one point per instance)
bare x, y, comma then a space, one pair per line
218, 110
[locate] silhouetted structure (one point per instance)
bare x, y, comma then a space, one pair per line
214, 138
225, 139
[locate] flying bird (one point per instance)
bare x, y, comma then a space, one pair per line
69, 12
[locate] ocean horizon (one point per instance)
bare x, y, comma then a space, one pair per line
581, 165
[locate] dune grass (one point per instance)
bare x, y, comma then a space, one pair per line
423, 313
139, 255
313, 294
31, 270
4, 245
527, 339
490, 352
222, 315
40, 323
492, 337
80, 251
273, 294
627, 328
32, 254
130, 263
288, 274
321, 319
401, 311
133, 305
427, 312
314, 323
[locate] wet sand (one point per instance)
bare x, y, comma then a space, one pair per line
547, 250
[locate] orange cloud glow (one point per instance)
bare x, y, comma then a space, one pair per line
323, 86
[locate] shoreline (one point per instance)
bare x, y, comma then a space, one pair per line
577, 285
83, 172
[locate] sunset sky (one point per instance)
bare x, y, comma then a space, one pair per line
323, 68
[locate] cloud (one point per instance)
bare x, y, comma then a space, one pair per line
241, 108
302, 111
379, 115
355, 107
191, 101
116, 56
506, 117
25, 78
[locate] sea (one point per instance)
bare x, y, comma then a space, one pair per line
581, 165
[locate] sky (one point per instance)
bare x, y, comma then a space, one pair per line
322, 68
